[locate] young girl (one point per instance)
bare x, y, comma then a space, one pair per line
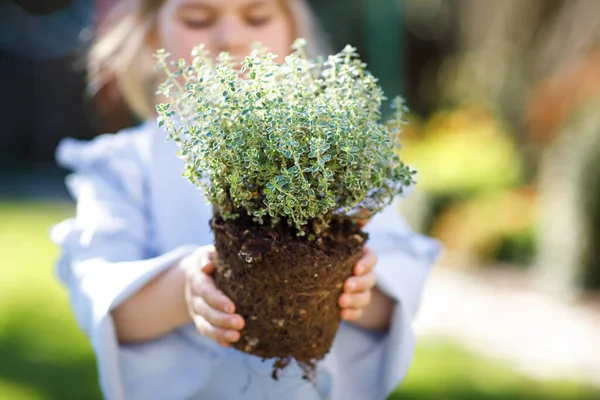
137, 257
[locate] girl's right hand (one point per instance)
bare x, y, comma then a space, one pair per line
212, 312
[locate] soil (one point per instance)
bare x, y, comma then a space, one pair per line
286, 287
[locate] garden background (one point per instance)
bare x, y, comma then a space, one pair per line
504, 130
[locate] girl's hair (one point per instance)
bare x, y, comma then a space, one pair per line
121, 53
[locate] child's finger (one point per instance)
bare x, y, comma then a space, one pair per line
351, 314
362, 283
220, 335
203, 255
208, 268
204, 287
216, 317
357, 300
363, 218
366, 262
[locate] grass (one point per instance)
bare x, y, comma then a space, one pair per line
43, 355
445, 371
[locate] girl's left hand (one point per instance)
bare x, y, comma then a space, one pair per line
357, 289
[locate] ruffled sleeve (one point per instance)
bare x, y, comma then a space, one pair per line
370, 365
107, 249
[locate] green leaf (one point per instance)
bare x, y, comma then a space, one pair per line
313, 144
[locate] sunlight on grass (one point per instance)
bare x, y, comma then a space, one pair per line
14, 391
445, 371
44, 356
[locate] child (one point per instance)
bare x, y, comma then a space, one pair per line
137, 257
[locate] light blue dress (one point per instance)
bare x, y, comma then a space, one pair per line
136, 216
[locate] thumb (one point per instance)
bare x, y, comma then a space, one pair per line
208, 268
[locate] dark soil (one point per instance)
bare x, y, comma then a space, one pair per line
286, 287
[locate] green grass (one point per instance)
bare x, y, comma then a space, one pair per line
43, 355
444, 371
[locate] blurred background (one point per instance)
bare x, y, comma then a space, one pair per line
504, 130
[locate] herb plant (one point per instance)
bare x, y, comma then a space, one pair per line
299, 141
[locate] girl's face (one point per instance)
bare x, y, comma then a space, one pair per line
223, 25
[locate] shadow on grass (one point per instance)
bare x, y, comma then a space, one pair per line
67, 377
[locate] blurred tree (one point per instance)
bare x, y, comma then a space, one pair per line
591, 195
511, 56
565, 231
505, 47
556, 118
429, 40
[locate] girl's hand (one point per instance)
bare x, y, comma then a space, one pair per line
212, 312
357, 289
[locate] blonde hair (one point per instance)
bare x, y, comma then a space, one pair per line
121, 53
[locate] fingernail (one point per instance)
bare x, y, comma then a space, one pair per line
360, 269
350, 285
232, 336
228, 309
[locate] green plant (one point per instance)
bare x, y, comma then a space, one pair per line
298, 141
